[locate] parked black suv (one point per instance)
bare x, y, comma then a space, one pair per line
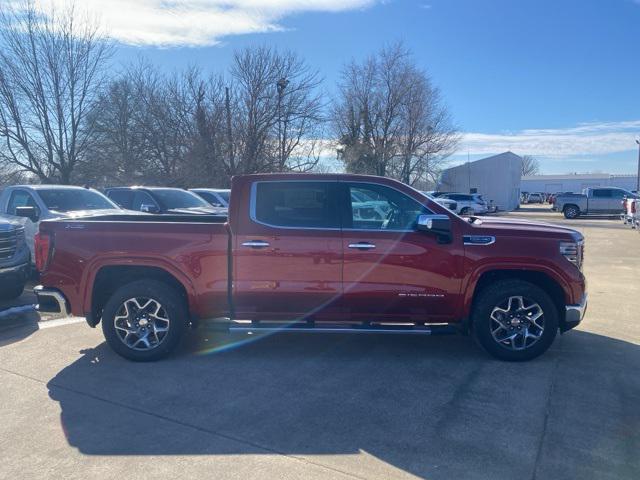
15, 260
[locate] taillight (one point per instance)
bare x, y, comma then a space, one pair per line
42, 247
633, 206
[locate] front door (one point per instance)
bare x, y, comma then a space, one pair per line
288, 252
600, 201
391, 271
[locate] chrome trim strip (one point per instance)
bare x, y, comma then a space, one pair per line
316, 329
252, 206
490, 240
255, 244
41, 291
14, 269
365, 246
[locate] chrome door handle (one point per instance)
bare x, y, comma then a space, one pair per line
255, 244
362, 245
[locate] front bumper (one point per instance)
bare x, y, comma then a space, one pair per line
51, 300
574, 314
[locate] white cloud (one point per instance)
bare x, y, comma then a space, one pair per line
583, 139
195, 22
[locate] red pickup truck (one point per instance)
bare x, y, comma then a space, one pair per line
324, 253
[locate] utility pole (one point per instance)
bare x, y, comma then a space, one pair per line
227, 104
281, 84
638, 179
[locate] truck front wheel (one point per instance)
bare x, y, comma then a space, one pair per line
144, 320
571, 212
514, 320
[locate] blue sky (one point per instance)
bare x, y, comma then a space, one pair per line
556, 79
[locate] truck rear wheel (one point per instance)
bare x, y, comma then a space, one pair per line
515, 320
571, 212
144, 320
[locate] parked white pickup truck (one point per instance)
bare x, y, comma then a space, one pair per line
593, 201
49, 202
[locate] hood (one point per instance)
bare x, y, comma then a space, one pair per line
7, 225
525, 227
88, 213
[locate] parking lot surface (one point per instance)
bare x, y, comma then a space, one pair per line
335, 406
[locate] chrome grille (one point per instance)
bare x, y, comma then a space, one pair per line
9, 242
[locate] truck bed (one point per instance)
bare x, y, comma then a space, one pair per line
194, 249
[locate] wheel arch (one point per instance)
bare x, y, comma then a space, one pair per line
541, 279
111, 277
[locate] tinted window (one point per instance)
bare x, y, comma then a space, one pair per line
209, 197
458, 197
621, 193
603, 193
175, 198
224, 196
376, 207
121, 197
141, 198
63, 200
296, 204
20, 198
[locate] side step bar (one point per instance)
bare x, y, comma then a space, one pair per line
305, 328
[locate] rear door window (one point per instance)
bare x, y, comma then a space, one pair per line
602, 193
121, 197
296, 204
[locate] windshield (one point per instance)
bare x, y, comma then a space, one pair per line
224, 195
74, 199
170, 198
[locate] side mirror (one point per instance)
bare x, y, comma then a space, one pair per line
437, 224
149, 208
28, 212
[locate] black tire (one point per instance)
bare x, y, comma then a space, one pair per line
174, 309
11, 291
496, 295
571, 212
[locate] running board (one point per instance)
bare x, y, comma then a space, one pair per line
385, 329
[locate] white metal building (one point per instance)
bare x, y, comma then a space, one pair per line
576, 182
496, 178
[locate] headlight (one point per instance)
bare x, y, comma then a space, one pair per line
20, 241
573, 251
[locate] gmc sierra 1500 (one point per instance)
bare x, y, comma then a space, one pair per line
303, 252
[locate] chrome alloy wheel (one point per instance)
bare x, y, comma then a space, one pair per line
141, 323
517, 323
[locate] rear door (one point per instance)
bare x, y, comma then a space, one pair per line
392, 272
288, 251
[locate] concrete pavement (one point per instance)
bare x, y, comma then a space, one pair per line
336, 406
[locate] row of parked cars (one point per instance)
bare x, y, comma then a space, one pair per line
22, 207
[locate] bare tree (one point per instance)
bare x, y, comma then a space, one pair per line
390, 120
530, 165
51, 71
278, 111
